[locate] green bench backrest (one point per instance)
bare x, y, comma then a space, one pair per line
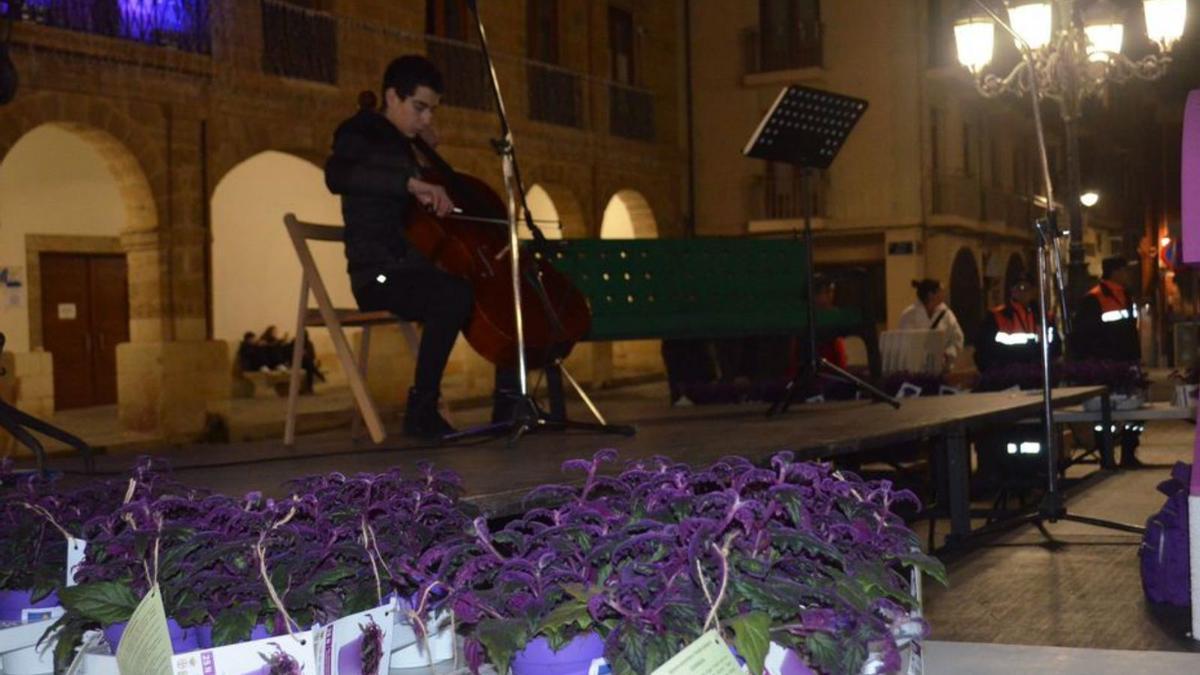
693, 288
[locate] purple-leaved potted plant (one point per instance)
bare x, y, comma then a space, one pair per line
795, 554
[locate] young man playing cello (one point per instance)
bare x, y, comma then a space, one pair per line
375, 171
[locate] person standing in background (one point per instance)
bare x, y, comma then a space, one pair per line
930, 312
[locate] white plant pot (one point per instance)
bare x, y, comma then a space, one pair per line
19, 654
409, 652
32, 660
1184, 395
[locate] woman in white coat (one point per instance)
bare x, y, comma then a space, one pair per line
930, 312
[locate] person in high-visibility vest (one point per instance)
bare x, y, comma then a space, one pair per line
1010, 333
1106, 318
1106, 327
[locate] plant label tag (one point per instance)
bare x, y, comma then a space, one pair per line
41, 614
359, 644
709, 655
908, 389
145, 647
75, 551
258, 656
916, 665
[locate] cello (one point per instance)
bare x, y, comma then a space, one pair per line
474, 245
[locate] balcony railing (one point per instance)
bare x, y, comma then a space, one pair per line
555, 95
299, 43
1015, 211
957, 196
802, 48
630, 112
463, 72
179, 24
782, 198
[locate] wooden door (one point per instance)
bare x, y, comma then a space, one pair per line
85, 314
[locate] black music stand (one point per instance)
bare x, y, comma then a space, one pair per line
19, 424
806, 128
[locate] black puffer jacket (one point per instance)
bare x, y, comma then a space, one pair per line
370, 168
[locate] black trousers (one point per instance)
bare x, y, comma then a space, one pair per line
441, 302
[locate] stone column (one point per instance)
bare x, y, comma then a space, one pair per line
170, 376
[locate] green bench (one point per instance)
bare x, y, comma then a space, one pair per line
696, 288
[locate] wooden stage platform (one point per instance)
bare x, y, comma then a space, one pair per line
496, 476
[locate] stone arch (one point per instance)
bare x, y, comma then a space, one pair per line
559, 209
1013, 269
255, 272
53, 217
224, 160
966, 292
628, 215
123, 144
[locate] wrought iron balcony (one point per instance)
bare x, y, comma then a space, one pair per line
1015, 211
179, 24
555, 95
791, 50
957, 196
299, 43
463, 72
781, 196
630, 112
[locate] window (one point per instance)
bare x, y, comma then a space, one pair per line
450, 19
620, 44
543, 30
790, 34
299, 42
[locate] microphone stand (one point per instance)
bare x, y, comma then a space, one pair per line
1052, 507
527, 415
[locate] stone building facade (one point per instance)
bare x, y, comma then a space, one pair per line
934, 182
170, 106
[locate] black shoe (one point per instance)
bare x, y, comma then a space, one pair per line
504, 407
1131, 462
421, 417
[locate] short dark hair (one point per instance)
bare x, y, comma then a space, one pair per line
408, 72
822, 282
1018, 279
926, 288
1109, 266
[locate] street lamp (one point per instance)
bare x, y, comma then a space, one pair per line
1071, 55
1089, 198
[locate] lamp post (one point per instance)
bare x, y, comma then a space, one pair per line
1074, 53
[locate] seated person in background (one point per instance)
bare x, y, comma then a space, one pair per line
930, 312
249, 356
1010, 333
832, 350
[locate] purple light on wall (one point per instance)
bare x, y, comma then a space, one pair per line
142, 19
1190, 177
180, 23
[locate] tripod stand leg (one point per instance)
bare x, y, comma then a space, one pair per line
861, 384
785, 401
14, 427
579, 390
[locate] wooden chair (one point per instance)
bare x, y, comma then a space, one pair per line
335, 320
